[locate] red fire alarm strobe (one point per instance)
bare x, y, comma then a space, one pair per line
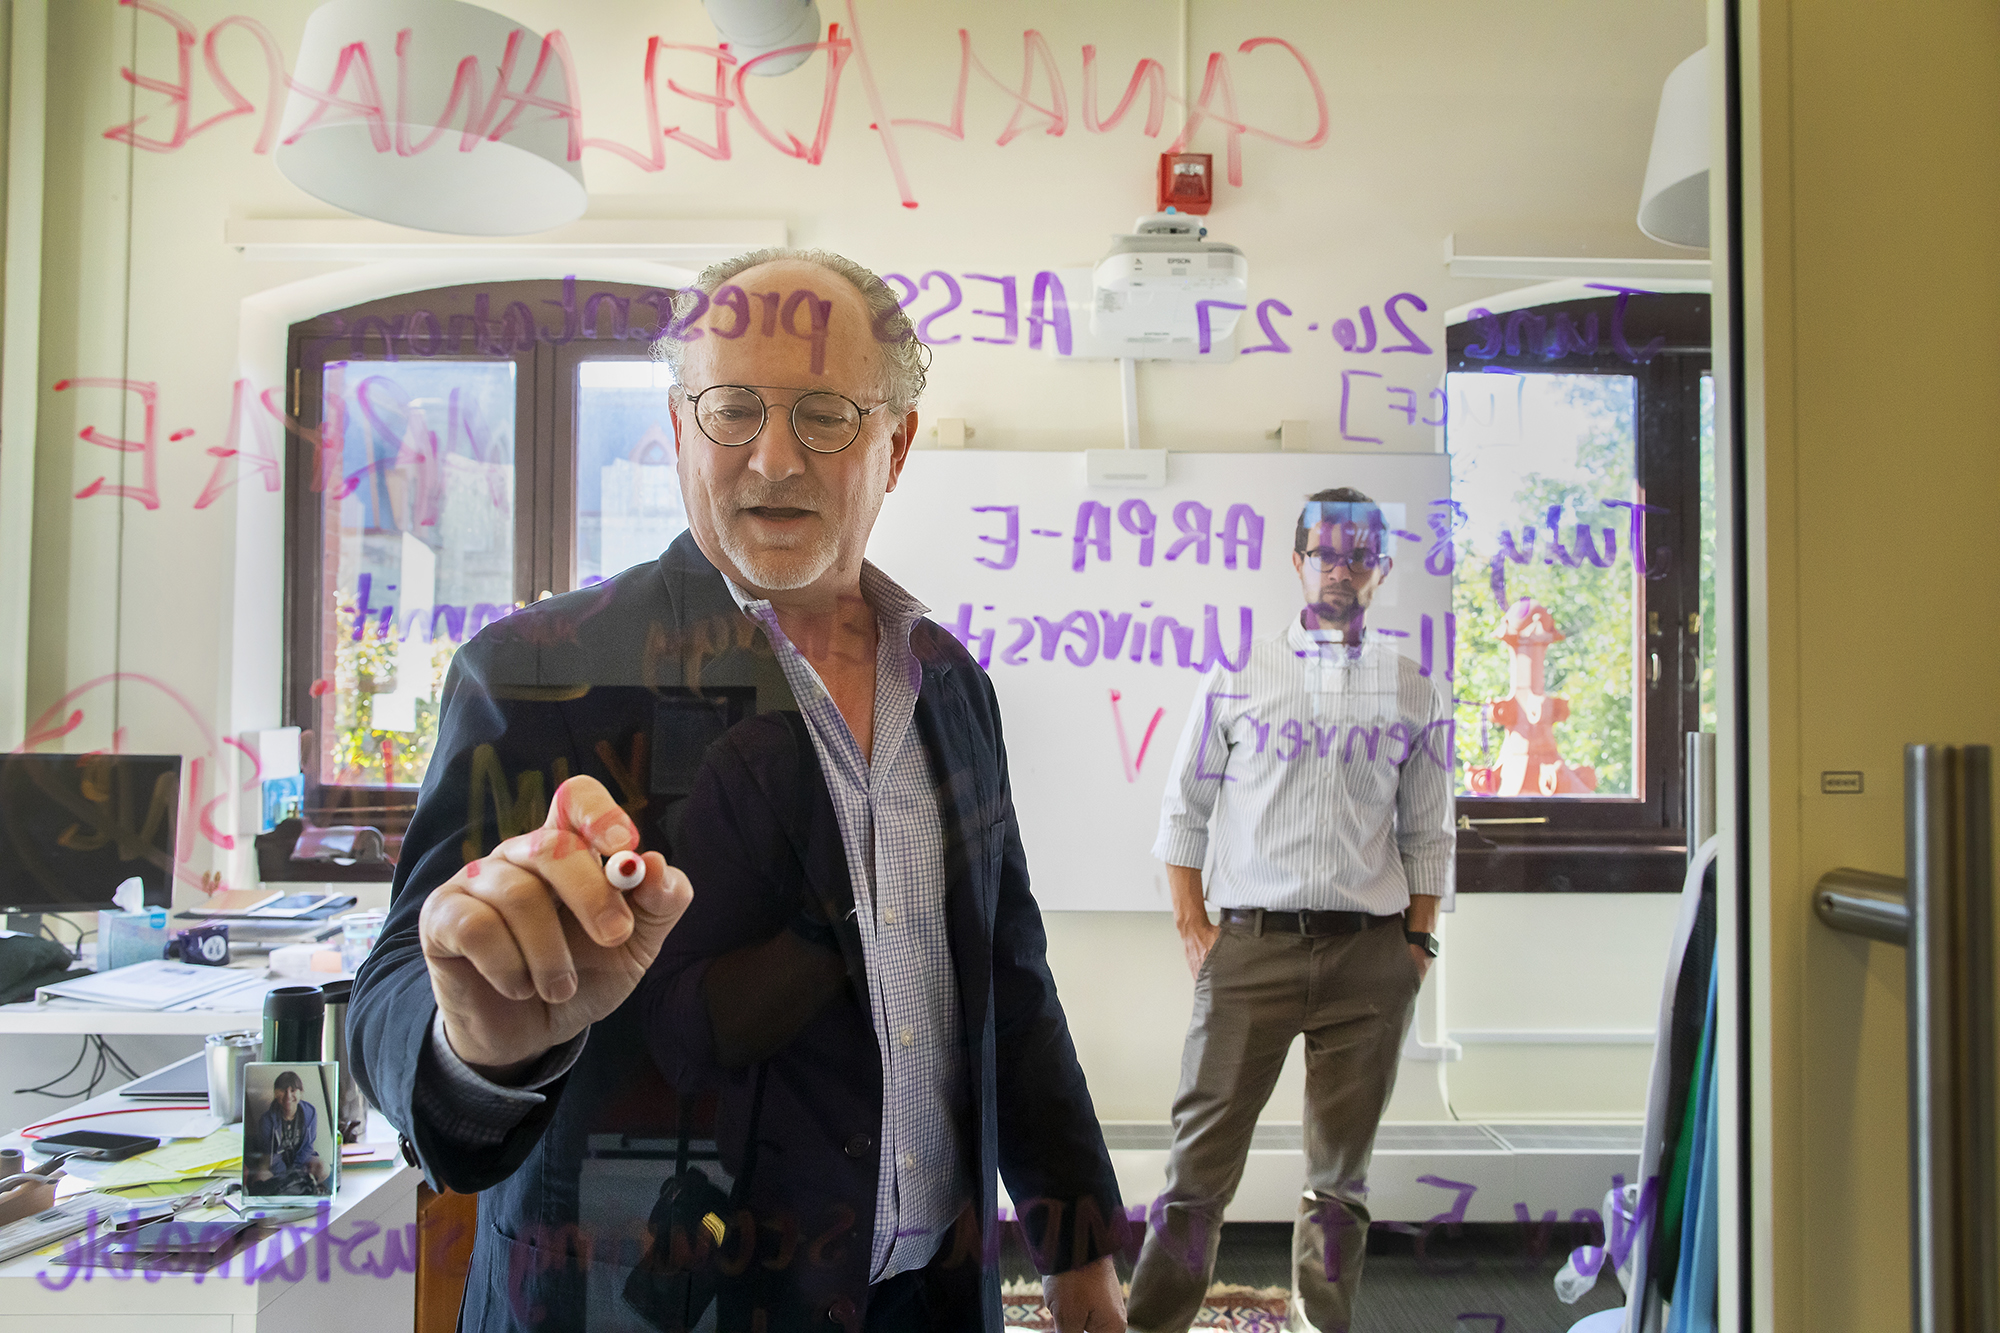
1187, 182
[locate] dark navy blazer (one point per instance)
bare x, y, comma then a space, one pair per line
656, 684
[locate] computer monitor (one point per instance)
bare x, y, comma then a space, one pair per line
73, 827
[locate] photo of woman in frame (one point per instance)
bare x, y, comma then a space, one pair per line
290, 1148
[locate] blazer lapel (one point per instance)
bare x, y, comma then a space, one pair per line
707, 640
968, 793
814, 832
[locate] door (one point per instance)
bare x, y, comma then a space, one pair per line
1870, 189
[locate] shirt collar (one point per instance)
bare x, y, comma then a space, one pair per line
896, 611
1325, 643
892, 604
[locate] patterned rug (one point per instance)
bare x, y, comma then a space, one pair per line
1236, 1309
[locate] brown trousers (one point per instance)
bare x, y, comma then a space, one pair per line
1352, 997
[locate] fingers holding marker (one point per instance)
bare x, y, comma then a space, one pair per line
582, 806
657, 904
463, 930
665, 894
608, 898
539, 962
566, 863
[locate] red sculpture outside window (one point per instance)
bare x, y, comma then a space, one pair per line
1530, 762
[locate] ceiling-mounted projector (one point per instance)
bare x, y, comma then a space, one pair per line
1146, 295
1149, 299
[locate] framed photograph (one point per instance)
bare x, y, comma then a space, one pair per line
291, 1141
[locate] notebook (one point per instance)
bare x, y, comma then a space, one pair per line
152, 986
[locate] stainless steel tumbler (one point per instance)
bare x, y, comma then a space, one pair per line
227, 1053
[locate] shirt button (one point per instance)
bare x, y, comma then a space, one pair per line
909, 1159
908, 1036
889, 915
859, 1145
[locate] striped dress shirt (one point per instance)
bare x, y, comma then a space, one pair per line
892, 827
1317, 777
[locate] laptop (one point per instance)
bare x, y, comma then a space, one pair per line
181, 1081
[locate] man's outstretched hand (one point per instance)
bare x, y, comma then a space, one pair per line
531, 945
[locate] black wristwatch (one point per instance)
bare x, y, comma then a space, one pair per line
1423, 940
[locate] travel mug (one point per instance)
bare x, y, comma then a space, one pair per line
227, 1053
293, 1019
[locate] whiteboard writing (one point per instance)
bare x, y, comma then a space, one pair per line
372, 87
262, 456
1531, 331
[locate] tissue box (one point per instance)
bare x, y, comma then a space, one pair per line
124, 938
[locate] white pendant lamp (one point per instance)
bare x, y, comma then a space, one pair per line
1673, 203
522, 182
753, 27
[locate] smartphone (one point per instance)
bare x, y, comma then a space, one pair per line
95, 1146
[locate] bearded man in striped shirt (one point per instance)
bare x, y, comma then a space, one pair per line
1316, 782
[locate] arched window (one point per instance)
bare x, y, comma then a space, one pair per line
458, 453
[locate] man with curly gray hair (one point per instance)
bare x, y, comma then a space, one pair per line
828, 941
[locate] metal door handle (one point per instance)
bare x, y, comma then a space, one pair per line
1862, 903
1942, 911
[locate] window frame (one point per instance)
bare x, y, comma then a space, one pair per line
568, 364
544, 480
1643, 837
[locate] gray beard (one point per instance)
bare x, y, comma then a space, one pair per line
784, 569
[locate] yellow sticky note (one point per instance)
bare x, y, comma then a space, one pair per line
222, 1148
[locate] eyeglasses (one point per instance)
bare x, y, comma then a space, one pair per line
734, 414
1359, 560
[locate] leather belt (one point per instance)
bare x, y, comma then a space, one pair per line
1304, 923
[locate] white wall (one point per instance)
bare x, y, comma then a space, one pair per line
29, 1061
1553, 964
1518, 128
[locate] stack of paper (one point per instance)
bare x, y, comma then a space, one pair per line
182, 1162
152, 985
243, 995
219, 1152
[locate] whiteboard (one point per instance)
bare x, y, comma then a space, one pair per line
1009, 550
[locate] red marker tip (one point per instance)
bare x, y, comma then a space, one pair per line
625, 870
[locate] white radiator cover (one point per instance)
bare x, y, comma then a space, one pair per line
1543, 1166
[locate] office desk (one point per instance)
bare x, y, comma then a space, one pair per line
64, 1018
357, 1272
28, 1019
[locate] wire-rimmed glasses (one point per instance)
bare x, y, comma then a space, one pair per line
1359, 559
734, 414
